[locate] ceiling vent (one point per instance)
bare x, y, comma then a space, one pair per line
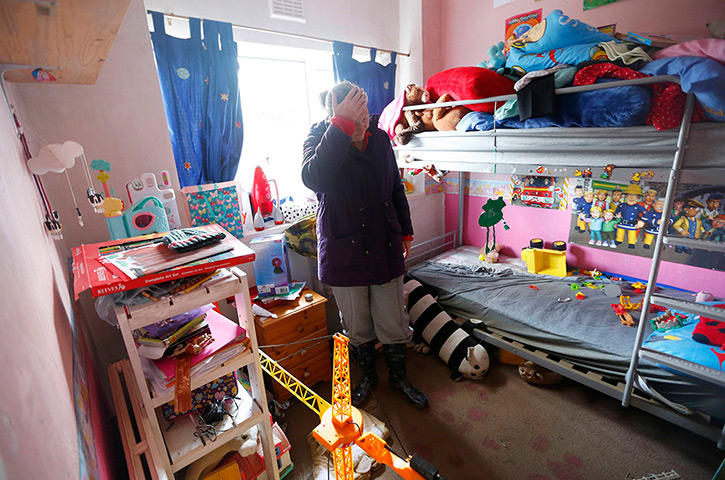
287, 10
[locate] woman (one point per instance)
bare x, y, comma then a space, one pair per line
363, 234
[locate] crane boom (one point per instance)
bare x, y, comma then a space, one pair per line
315, 402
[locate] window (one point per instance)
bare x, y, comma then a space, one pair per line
279, 88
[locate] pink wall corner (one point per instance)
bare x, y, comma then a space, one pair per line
432, 28
550, 225
470, 27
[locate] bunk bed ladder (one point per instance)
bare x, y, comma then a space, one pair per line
662, 239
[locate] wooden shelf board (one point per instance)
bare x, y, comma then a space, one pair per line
184, 448
74, 35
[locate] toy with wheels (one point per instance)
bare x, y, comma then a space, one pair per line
146, 216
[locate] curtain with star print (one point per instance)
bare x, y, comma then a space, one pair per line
200, 90
376, 79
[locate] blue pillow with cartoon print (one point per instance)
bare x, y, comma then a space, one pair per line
558, 31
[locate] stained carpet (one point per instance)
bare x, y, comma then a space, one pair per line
503, 429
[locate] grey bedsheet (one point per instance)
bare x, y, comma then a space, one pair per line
584, 332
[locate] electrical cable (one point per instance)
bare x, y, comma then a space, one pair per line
296, 343
390, 423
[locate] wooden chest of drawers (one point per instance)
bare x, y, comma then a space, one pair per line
298, 320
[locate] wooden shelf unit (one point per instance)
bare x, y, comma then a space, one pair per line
171, 446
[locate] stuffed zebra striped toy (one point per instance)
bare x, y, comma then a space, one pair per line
465, 356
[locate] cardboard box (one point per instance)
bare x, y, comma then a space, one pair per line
271, 265
90, 272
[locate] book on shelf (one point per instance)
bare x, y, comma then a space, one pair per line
226, 334
149, 335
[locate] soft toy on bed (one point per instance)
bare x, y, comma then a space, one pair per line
465, 356
402, 124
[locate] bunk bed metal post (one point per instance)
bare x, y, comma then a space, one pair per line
461, 195
657, 253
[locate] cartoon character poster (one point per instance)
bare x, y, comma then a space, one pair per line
625, 218
518, 25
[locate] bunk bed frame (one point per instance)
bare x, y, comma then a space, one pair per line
502, 151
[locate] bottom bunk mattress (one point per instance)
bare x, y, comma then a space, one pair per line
532, 309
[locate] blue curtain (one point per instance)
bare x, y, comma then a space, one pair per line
222, 132
377, 80
200, 89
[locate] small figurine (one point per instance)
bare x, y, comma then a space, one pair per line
607, 172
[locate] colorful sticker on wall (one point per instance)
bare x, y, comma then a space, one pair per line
479, 187
625, 218
589, 4
225, 204
518, 25
543, 191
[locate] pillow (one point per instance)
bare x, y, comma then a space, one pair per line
615, 107
467, 83
523, 63
558, 31
700, 75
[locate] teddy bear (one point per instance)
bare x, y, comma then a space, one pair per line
402, 124
413, 121
245, 444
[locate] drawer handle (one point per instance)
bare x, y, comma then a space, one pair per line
306, 374
300, 328
303, 353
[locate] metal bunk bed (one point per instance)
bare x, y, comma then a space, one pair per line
503, 151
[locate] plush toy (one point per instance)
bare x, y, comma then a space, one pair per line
496, 57
489, 253
406, 123
245, 444
402, 124
465, 356
537, 375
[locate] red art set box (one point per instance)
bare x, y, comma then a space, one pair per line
120, 265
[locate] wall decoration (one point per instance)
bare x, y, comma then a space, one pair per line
478, 187
518, 25
541, 191
624, 218
589, 4
225, 204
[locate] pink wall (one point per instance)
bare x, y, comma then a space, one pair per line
470, 27
38, 436
529, 222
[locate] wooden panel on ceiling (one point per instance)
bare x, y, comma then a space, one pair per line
75, 35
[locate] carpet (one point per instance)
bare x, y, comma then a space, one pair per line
504, 428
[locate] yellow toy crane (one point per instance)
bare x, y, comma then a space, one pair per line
341, 424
